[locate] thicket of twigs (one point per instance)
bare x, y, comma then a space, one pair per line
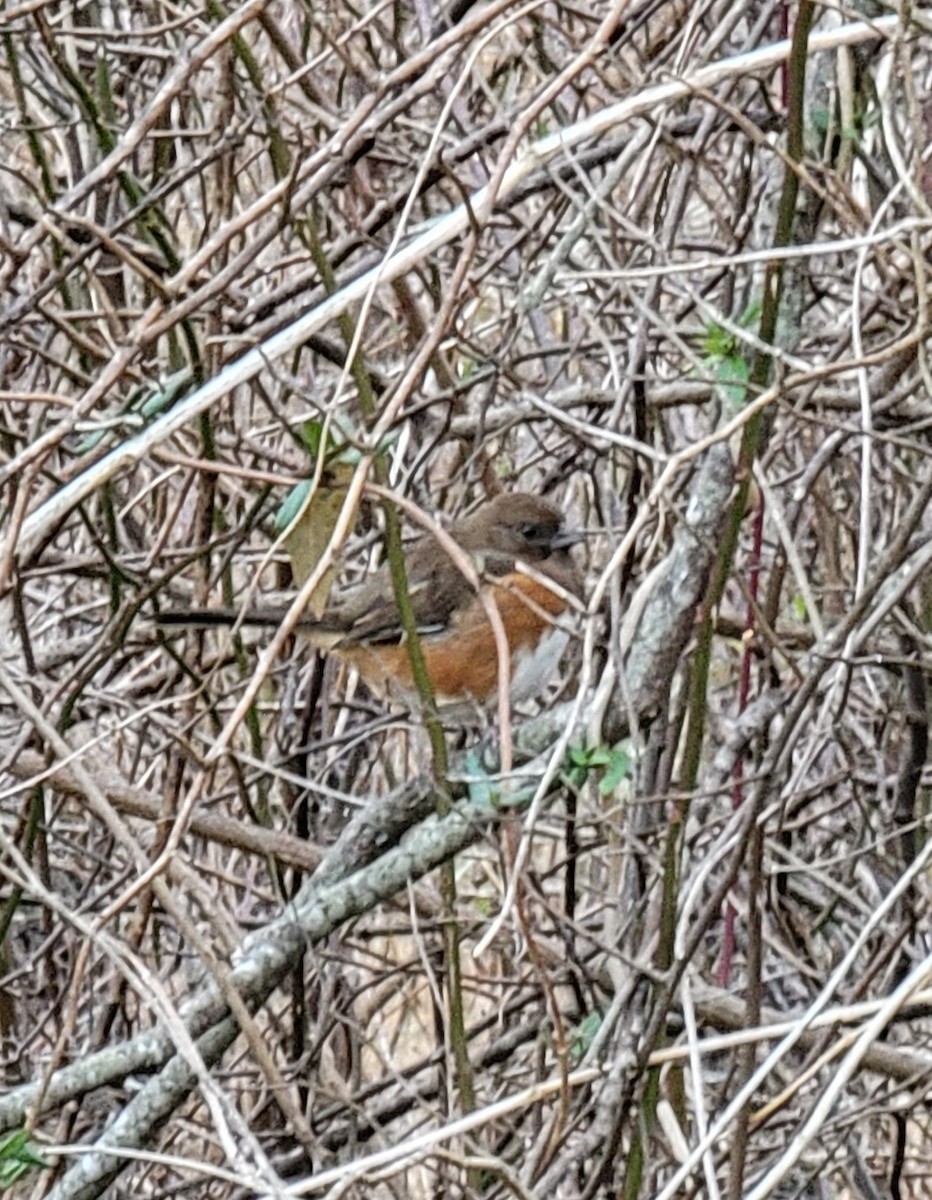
650, 259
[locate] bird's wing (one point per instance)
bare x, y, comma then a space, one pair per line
369, 613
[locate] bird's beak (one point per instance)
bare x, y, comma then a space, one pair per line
566, 538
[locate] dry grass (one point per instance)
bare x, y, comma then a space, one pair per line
182, 189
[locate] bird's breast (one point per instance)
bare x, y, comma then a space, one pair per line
463, 660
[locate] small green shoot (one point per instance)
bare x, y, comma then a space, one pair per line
142, 404
16, 1157
582, 1036
614, 763
725, 358
482, 789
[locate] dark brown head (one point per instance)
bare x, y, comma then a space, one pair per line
516, 525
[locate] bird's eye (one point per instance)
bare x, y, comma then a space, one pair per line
529, 531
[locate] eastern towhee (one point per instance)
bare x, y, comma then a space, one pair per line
362, 625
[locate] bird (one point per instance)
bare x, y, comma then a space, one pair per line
362, 626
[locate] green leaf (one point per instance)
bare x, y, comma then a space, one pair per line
142, 403
617, 770
340, 449
17, 1156
292, 505
733, 374
819, 116
613, 761
588, 757
717, 343
310, 522
163, 397
349, 455
721, 345
482, 789
312, 434
582, 1036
